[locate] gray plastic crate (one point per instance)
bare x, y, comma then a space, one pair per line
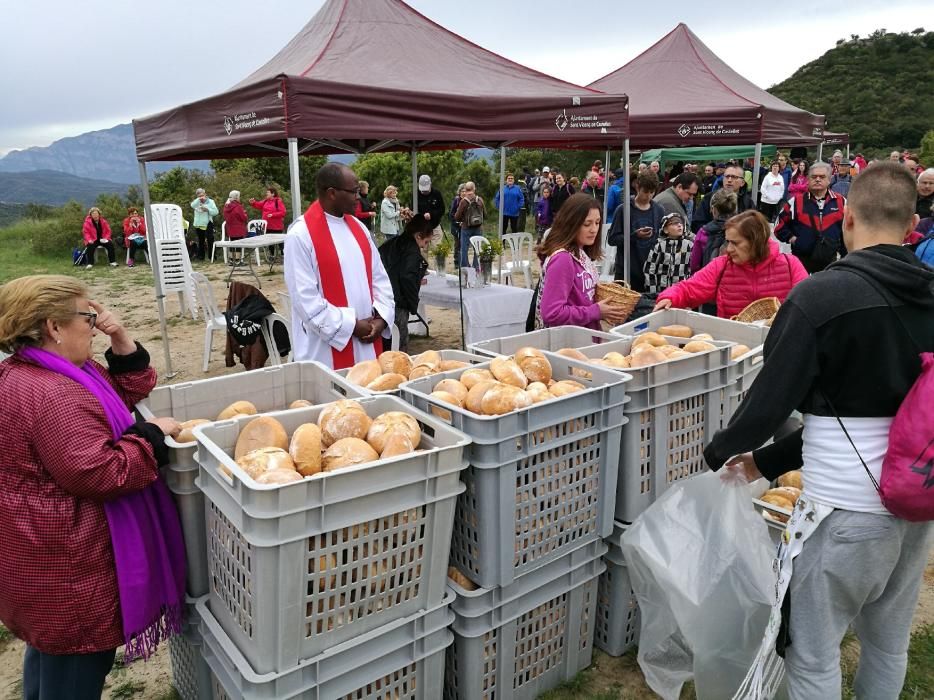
546, 486
403, 660
190, 673
189, 501
551, 339
617, 629
664, 444
737, 392
347, 551
468, 357
514, 643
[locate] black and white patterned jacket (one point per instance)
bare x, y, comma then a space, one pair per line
668, 263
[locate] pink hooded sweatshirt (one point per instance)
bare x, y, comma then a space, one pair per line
568, 293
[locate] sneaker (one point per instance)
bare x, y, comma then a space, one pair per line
113, 264
130, 263
88, 267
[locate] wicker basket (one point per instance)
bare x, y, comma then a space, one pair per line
619, 294
759, 310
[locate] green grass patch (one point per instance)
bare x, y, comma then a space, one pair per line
127, 689
919, 680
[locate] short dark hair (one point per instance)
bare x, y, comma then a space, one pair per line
330, 175
685, 180
646, 181
884, 196
417, 225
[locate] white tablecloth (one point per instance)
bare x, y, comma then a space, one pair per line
489, 312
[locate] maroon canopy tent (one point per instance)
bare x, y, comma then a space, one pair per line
375, 75
684, 95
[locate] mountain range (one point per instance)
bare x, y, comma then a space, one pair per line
54, 188
108, 154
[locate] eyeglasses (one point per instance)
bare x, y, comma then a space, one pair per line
732, 177
89, 315
355, 190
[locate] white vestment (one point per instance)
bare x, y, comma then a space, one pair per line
317, 325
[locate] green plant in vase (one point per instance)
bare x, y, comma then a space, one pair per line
440, 252
491, 249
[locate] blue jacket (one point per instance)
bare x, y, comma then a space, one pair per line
513, 200
613, 201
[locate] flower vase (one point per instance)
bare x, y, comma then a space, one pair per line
486, 272
441, 263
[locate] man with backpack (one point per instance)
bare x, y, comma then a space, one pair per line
845, 350
470, 213
812, 221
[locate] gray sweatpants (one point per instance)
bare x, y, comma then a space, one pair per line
860, 569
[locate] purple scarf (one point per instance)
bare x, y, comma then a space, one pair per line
144, 531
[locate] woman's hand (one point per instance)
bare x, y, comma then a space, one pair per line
109, 325
662, 304
612, 313
745, 464
168, 426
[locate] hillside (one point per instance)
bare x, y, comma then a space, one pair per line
879, 89
10, 213
54, 188
109, 154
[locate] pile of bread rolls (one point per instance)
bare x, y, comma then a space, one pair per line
392, 368
784, 496
344, 436
653, 348
510, 384
237, 408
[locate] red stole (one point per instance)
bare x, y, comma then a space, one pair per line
332, 277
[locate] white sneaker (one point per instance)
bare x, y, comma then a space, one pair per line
113, 264
88, 267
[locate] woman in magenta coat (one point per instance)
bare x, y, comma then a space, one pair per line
799, 180
752, 268
272, 210
234, 225
570, 274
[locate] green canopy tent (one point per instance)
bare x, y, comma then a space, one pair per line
704, 154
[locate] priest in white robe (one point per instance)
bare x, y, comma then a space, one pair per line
342, 303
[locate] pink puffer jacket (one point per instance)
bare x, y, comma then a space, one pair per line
733, 287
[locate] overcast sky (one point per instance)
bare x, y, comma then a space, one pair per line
70, 66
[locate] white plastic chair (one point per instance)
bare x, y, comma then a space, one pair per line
394, 343
174, 265
214, 319
285, 301
269, 337
518, 247
477, 242
167, 222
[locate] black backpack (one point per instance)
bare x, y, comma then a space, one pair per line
715, 241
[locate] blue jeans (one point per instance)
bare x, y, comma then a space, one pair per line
465, 246
65, 677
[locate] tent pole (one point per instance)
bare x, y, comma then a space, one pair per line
414, 179
502, 186
820, 151
156, 270
757, 161
604, 226
293, 174
627, 211
847, 152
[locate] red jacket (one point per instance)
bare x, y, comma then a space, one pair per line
797, 185
58, 463
273, 212
733, 287
133, 225
235, 220
89, 230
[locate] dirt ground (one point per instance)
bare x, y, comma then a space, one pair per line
128, 292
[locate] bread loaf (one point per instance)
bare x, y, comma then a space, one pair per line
305, 449
390, 423
526, 352
393, 361
300, 403
503, 398
278, 476
676, 331
347, 452
386, 382
237, 408
263, 431
737, 351
698, 346
615, 359
448, 365
565, 387
341, 419
457, 577
792, 478
364, 372
447, 398
667, 350
473, 376
420, 371
573, 354
647, 357
396, 444
187, 434
508, 372
702, 336
431, 358
536, 368
265, 459
789, 492
777, 500
476, 394
454, 388
678, 354
651, 338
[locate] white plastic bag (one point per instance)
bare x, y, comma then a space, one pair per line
700, 563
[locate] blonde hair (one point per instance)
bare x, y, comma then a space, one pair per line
27, 302
390, 191
95, 209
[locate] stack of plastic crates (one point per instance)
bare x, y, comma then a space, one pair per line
333, 586
528, 532
190, 673
742, 371
617, 618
